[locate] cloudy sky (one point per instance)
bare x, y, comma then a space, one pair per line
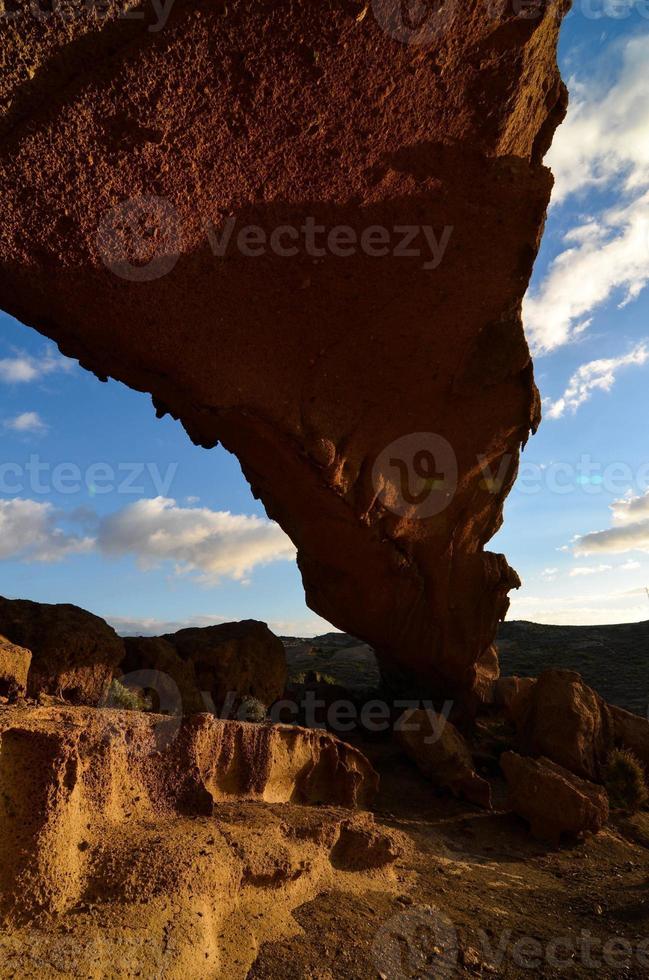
105, 506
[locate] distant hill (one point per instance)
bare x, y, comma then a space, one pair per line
614, 660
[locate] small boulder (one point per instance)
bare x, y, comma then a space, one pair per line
563, 719
14, 668
441, 754
234, 658
553, 800
73, 652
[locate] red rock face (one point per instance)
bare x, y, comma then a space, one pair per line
369, 397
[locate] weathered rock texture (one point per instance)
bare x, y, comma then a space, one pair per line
553, 800
73, 652
307, 367
128, 848
212, 664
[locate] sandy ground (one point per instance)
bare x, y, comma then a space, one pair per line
477, 897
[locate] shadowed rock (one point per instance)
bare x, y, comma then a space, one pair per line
73, 652
560, 717
377, 397
238, 659
553, 800
442, 754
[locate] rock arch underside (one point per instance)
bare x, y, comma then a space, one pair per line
307, 367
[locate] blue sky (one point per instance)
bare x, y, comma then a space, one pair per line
149, 531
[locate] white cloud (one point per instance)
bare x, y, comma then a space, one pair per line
581, 610
606, 133
581, 570
29, 531
631, 566
630, 531
214, 544
603, 144
549, 574
211, 544
597, 375
588, 274
27, 422
22, 367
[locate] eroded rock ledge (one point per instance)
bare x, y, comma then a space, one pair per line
115, 857
308, 368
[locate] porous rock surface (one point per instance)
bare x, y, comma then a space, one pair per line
74, 652
136, 845
121, 145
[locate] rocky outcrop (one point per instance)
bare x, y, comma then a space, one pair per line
131, 846
553, 800
560, 717
511, 695
73, 652
172, 678
14, 668
376, 393
233, 659
441, 753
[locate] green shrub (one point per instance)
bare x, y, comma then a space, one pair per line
252, 709
625, 781
120, 696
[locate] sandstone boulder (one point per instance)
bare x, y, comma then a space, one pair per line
73, 652
14, 668
233, 659
376, 396
441, 753
563, 719
180, 825
553, 800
